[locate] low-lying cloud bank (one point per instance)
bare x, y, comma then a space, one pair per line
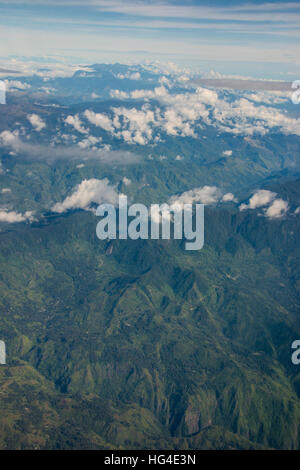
52, 153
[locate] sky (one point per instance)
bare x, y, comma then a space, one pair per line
248, 38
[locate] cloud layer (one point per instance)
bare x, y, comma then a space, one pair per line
184, 114
52, 153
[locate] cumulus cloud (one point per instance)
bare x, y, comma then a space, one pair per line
119, 94
76, 123
9, 139
274, 208
129, 75
157, 93
165, 81
269, 97
165, 68
126, 181
48, 90
229, 197
14, 217
90, 141
88, 192
99, 120
277, 209
177, 118
182, 113
204, 195
16, 84
137, 124
244, 117
36, 121
261, 197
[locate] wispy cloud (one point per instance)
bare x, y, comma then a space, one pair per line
215, 31
53, 153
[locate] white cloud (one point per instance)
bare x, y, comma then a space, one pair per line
99, 120
16, 84
227, 153
261, 197
182, 113
165, 81
273, 208
48, 90
76, 123
129, 76
86, 193
280, 11
229, 197
53, 153
120, 95
48, 70
137, 123
243, 117
277, 209
90, 141
36, 121
177, 118
157, 93
126, 181
269, 97
14, 217
8, 138
204, 195
135, 76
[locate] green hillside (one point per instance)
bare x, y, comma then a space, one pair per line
141, 344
